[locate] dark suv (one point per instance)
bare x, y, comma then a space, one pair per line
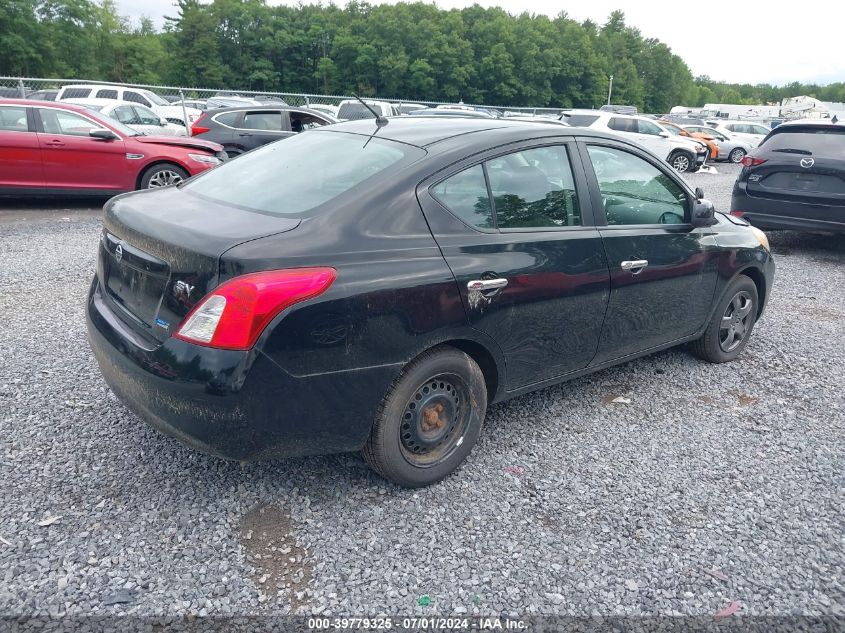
795, 179
240, 129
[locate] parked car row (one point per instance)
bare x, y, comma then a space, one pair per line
682, 153
49, 148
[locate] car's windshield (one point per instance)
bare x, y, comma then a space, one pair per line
296, 175
114, 123
154, 98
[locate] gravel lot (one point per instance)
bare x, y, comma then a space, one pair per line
715, 484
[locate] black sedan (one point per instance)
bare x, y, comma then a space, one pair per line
795, 179
243, 128
374, 287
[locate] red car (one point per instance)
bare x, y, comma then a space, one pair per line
49, 148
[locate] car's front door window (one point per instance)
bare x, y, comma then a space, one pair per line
634, 191
146, 116
125, 114
63, 122
647, 127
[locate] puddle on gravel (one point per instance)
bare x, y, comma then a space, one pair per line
281, 565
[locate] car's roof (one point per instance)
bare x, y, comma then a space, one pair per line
107, 87
62, 105
839, 124
264, 106
102, 102
426, 131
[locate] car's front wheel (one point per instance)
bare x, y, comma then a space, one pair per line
429, 420
163, 175
736, 155
681, 161
730, 328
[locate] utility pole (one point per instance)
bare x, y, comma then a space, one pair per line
610, 90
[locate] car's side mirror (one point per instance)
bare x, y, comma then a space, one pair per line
664, 134
162, 122
103, 134
703, 213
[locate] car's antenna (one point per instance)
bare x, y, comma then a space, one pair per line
380, 120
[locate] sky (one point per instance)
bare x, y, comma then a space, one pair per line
741, 42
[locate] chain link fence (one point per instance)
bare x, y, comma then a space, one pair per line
40, 88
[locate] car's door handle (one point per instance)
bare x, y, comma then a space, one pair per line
635, 266
244, 134
54, 144
487, 284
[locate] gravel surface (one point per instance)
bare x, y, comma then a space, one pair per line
716, 484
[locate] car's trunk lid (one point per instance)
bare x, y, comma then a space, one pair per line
160, 253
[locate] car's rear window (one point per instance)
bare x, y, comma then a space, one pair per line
298, 174
353, 111
807, 140
580, 120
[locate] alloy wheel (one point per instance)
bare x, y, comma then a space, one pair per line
735, 321
737, 155
164, 178
680, 163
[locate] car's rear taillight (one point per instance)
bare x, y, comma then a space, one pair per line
752, 161
235, 314
738, 214
196, 128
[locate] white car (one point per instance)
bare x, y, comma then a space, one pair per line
174, 114
747, 131
351, 109
683, 154
325, 108
133, 115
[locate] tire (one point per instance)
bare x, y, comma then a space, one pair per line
736, 155
162, 175
429, 420
681, 161
733, 320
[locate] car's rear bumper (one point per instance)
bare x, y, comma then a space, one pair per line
232, 404
774, 215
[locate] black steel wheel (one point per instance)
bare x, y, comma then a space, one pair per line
430, 419
730, 327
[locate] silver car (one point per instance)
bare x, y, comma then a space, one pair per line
730, 148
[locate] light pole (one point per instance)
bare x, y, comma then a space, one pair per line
609, 90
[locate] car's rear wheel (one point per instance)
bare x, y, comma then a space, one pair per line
680, 161
429, 420
730, 328
736, 155
163, 175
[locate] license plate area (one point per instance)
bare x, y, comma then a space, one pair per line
134, 280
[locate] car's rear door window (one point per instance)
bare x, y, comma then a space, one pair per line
266, 120
534, 188
76, 93
634, 191
465, 194
304, 172
106, 94
13, 119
